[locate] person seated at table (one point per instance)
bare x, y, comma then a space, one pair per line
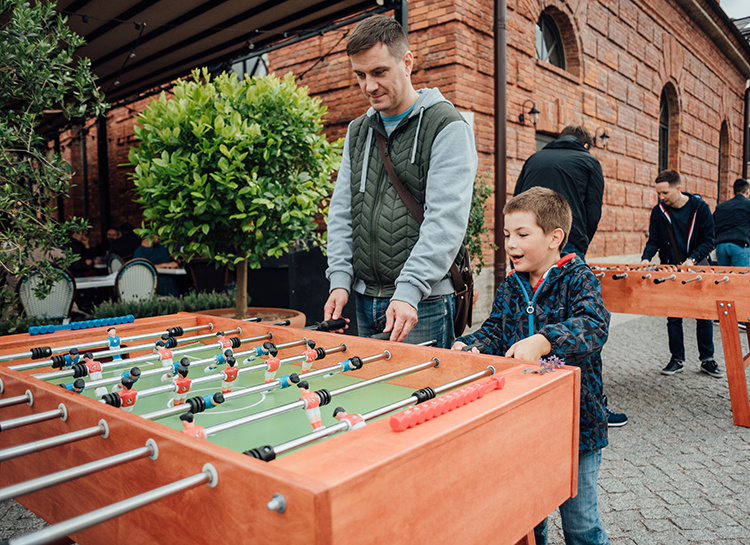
122, 241
158, 255
79, 244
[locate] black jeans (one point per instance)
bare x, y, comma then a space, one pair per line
704, 330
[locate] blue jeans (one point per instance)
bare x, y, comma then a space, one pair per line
704, 330
435, 317
581, 522
729, 254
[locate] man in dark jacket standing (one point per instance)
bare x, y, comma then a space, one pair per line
682, 231
732, 226
565, 165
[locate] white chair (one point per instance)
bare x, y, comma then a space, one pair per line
114, 263
55, 305
136, 280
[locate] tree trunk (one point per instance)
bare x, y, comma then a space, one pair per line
241, 308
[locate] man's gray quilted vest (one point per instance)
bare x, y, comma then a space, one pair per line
383, 230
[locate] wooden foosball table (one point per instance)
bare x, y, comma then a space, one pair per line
709, 293
486, 471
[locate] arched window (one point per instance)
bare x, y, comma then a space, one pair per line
549, 44
669, 128
663, 132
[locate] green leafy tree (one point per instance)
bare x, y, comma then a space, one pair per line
233, 170
38, 76
477, 234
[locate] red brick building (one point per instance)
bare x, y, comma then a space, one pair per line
665, 79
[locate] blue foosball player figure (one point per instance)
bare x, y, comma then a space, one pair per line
77, 386
113, 341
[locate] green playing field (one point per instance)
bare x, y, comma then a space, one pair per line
268, 431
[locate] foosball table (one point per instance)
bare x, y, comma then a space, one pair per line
434, 446
710, 293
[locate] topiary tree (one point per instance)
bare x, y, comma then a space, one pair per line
233, 170
38, 76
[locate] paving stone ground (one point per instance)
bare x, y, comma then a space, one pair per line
677, 474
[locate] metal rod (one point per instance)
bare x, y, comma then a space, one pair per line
211, 430
66, 475
105, 353
697, 278
60, 412
342, 426
208, 476
169, 411
18, 400
92, 344
117, 364
51, 442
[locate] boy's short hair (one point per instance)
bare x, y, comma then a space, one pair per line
672, 177
550, 209
580, 132
378, 29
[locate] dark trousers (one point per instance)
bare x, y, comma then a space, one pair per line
704, 330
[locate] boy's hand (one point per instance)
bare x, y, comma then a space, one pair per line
458, 345
531, 348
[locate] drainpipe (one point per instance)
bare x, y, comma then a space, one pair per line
501, 163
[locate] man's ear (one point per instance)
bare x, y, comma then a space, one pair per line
558, 235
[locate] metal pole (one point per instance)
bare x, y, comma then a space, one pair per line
59, 477
119, 351
51, 442
17, 400
501, 115
434, 362
208, 475
60, 412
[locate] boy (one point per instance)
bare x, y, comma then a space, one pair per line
552, 305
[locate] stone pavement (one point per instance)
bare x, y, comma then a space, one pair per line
677, 473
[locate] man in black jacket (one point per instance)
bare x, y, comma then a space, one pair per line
732, 226
682, 231
565, 165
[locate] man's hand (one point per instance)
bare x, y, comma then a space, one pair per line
400, 318
334, 306
689, 262
531, 348
645, 262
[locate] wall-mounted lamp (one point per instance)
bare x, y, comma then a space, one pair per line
603, 137
533, 113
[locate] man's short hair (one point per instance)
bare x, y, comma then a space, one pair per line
580, 132
378, 29
550, 209
672, 177
740, 186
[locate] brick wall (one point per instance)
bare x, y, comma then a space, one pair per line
621, 55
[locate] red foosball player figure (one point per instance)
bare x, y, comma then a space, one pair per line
221, 359
127, 395
273, 362
190, 427
181, 385
310, 356
355, 421
165, 357
95, 372
312, 404
229, 375
224, 343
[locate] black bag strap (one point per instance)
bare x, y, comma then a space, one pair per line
411, 203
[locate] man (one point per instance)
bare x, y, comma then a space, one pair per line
732, 227
397, 268
682, 230
565, 165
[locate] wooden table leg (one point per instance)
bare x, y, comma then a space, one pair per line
528, 539
735, 363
